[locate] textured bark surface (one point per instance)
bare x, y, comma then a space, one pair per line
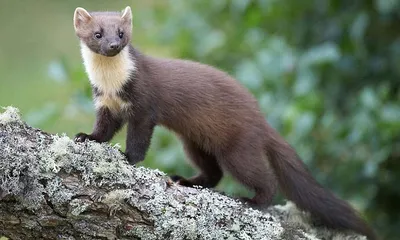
53, 188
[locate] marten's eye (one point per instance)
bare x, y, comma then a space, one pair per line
121, 34
97, 35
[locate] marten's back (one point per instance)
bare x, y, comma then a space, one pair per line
201, 102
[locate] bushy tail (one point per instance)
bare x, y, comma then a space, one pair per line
299, 186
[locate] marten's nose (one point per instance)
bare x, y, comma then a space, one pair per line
114, 45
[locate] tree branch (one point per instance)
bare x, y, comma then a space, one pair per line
53, 188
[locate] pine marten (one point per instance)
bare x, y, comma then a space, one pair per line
217, 119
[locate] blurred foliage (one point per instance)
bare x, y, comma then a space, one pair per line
325, 73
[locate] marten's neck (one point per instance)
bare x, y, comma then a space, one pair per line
108, 74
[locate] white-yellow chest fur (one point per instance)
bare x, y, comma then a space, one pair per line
108, 75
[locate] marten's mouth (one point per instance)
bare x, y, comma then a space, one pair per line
110, 53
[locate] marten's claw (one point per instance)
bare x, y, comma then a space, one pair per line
81, 137
181, 181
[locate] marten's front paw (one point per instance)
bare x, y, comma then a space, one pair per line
176, 178
81, 137
181, 181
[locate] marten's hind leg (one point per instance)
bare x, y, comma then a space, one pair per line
210, 172
248, 164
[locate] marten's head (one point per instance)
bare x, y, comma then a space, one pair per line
105, 33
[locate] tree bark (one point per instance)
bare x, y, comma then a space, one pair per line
53, 188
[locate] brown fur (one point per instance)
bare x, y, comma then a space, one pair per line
218, 120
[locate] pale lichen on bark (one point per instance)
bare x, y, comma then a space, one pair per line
53, 188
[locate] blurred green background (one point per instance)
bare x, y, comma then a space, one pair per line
326, 74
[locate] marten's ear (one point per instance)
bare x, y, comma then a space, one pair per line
126, 15
81, 16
